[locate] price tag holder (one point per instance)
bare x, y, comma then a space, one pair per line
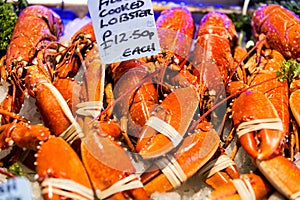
17, 188
124, 29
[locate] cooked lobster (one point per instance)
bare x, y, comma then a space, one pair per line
281, 28
36, 27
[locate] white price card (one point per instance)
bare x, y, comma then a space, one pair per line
17, 188
124, 29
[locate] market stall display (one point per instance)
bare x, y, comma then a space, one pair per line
209, 117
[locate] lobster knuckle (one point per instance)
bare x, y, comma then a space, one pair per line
52, 110
30, 136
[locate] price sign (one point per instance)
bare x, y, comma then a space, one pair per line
124, 29
15, 189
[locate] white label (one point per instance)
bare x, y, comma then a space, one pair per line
124, 29
17, 188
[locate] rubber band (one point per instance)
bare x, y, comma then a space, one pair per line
89, 108
72, 133
66, 188
61, 101
165, 129
69, 188
295, 196
127, 183
258, 124
244, 189
222, 162
172, 170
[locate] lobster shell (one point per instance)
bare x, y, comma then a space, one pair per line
51, 162
176, 30
216, 30
281, 28
38, 23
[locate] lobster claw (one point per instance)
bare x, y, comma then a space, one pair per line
51, 167
195, 150
259, 128
283, 174
113, 175
177, 111
248, 186
219, 171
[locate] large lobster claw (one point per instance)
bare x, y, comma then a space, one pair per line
258, 125
283, 174
248, 186
171, 120
195, 150
110, 169
57, 161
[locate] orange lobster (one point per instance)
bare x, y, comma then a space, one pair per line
36, 27
97, 175
280, 27
176, 29
215, 30
213, 65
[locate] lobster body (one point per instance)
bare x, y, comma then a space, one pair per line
176, 29
36, 26
281, 28
215, 30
